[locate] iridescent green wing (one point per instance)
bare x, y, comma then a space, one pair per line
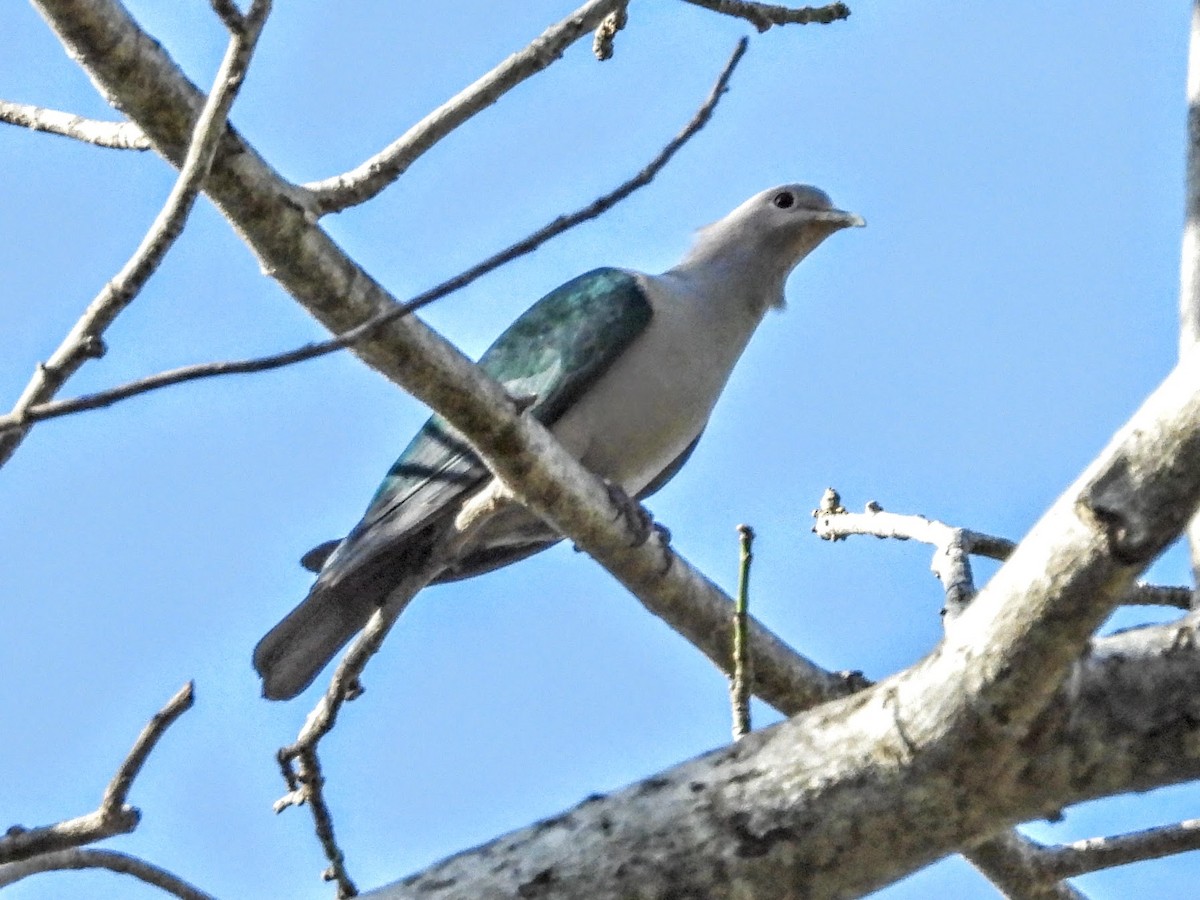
551, 354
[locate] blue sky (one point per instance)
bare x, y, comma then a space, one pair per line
1009, 305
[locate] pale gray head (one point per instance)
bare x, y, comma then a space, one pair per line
761, 241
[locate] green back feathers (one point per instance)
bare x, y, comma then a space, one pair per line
553, 353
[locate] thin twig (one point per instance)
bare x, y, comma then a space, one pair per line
1094, 854
85, 340
121, 863
373, 175
951, 559
229, 13
763, 15
741, 682
114, 815
309, 770
299, 763
20, 419
834, 523
114, 135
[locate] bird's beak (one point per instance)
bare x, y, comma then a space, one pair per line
841, 219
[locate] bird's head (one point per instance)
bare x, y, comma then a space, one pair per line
768, 235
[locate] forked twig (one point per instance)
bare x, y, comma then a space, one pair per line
85, 340
113, 816
954, 546
20, 419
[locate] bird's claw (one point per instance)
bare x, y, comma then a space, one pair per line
640, 521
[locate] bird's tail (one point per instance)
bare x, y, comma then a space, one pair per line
293, 653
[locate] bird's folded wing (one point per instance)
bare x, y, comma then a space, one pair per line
550, 356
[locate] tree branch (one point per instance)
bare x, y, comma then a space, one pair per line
302, 770
841, 800
1094, 854
741, 681
228, 12
85, 340
271, 216
1010, 862
276, 219
372, 176
121, 863
1189, 265
951, 559
101, 399
834, 523
114, 815
763, 15
114, 135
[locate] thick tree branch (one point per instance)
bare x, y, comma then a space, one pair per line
1010, 862
372, 176
1036, 616
114, 815
839, 801
85, 340
114, 135
121, 863
763, 15
56, 408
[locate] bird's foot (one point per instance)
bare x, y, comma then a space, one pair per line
638, 517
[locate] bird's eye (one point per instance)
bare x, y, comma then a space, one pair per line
784, 199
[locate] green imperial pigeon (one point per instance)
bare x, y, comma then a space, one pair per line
623, 368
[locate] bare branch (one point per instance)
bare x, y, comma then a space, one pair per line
1094, 854
229, 14
341, 295
118, 788
1189, 266
121, 863
290, 254
310, 783
375, 174
271, 217
802, 800
274, 219
20, 419
372, 176
834, 523
113, 816
85, 340
1011, 862
114, 135
951, 560
741, 682
763, 15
